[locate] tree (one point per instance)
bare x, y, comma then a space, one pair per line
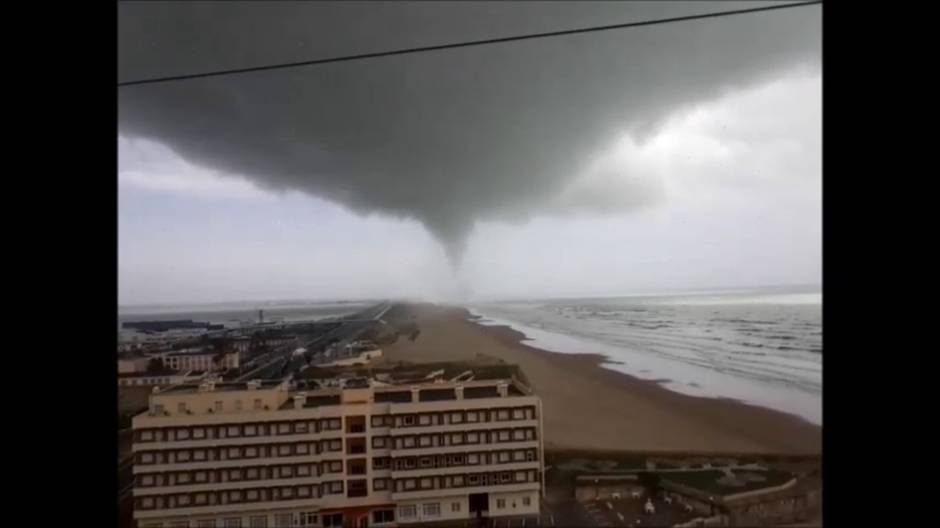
155, 365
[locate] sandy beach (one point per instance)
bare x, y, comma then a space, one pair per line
590, 407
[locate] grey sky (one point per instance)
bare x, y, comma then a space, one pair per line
644, 149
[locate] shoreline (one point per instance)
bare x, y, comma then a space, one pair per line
588, 406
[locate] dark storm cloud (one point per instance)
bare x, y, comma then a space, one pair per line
445, 137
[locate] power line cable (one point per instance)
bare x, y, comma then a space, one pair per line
462, 44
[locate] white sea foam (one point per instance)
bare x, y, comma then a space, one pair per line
764, 350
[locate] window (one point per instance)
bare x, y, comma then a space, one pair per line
303, 491
378, 421
456, 439
383, 516
407, 512
502, 414
256, 405
473, 480
146, 436
500, 503
518, 434
378, 442
424, 441
146, 502
335, 424
527, 501
409, 441
424, 419
238, 405
300, 427
146, 480
518, 414
251, 495
520, 476
336, 487
530, 456
504, 478
260, 521
146, 458
233, 430
283, 450
205, 523
473, 438
182, 456
235, 474
283, 520
380, 463
181, 408
455, 507
201, 498
234, 452
458, 481
432, 509
308, 518
287, 493
336, 466
503, 436
530, 434
472, 416
283, 428
426, 483
179, 524
336, 445
456, 417
302, 449
287, 472
183, 500
379, 484
408, 420
409, 463
199, 454
182, 478
410, 484
518, 456
473, 459
303, 471
333, 520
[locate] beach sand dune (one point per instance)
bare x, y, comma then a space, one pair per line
588, 407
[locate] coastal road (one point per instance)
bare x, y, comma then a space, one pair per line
283, 363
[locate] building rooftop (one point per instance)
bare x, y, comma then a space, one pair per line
192, 388
152, 373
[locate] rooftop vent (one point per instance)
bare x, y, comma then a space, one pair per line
300, 400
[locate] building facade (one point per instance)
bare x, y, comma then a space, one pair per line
259, 455
201, 360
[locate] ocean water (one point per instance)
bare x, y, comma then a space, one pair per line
763, 348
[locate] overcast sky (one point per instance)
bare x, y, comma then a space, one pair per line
681, 156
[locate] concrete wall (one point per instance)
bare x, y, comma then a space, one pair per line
447, 512
514, 503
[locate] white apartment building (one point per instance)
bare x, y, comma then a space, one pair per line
200, 359
256, 455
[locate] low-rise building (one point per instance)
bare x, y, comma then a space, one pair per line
259, 454
201, 359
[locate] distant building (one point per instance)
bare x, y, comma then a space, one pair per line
257, 454
159, 378
201, 359
130, 365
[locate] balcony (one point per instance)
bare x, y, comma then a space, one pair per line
357, 488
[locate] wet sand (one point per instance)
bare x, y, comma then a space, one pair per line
589, 407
